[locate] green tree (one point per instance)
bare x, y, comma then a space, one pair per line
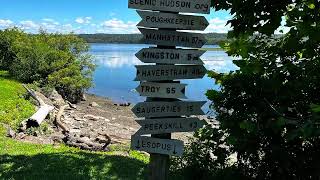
268, 110
51, 60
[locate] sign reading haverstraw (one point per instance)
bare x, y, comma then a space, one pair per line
162, 90
160, 126
167, 109
170, 56
155, 145
172, 21
169, 72
173, 38
188, 6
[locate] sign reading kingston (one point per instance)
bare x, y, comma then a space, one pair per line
167, 109
160, 126
172, 21
170, 56
188, 6
169, 72
162, 90
155, 145
173, 38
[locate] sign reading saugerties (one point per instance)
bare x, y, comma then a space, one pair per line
188, 6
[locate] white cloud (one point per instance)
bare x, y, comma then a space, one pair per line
29, 26
83, 20
218, 25
118, 26
5, 23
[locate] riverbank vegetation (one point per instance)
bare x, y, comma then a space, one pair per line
47, 60
269, 109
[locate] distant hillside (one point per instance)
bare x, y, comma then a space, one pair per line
213, 38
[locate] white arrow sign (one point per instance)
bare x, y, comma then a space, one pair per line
155, 145
172, 21
170, 56
173, 38
160, 126
162, 90
169, 72
188, 6
167, 109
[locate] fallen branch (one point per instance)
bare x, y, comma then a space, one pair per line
85, 144
58, 119
42, 112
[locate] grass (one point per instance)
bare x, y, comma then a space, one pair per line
13, 108
20, 160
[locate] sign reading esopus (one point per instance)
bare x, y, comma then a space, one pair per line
155, 145
172, 21
188, 6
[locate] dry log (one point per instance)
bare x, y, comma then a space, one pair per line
85, 144
42, 112
58, 119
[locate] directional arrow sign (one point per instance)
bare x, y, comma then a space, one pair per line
169, 72
155, 145
160, 126
188, 6
170, 56
167, 109
172, 21
173, 38
162, 90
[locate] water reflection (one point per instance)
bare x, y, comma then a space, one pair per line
115, 73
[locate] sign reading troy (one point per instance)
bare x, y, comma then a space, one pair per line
167, 109
162, 90
169, 72
155, 145
170, 56
172, 21
189, 6
173, 38
160, 126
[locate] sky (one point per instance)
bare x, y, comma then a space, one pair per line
83, 16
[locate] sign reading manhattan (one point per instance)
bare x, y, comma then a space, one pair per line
162, 90
160, 126
154, 145
189, 6
172, 21
170, 56
173, 38
166, 109
169, 72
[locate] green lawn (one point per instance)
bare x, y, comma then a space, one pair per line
31, 161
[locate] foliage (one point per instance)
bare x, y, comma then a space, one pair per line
55, 60
269, 109
13, 107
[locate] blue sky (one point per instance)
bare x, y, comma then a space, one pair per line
82, 16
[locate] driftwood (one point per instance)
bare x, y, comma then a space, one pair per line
58, 119
42, 112
85, 144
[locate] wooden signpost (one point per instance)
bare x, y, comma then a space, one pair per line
163, 112
168, 109
162, 90
155, 145
170, 56
173, 38
170, 125
169, 72
172, 21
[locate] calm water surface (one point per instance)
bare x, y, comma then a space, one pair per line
114, 75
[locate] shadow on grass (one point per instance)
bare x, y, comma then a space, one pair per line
71, 166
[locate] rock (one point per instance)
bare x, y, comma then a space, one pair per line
56, 99
94, 104
84, 97
11, 133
